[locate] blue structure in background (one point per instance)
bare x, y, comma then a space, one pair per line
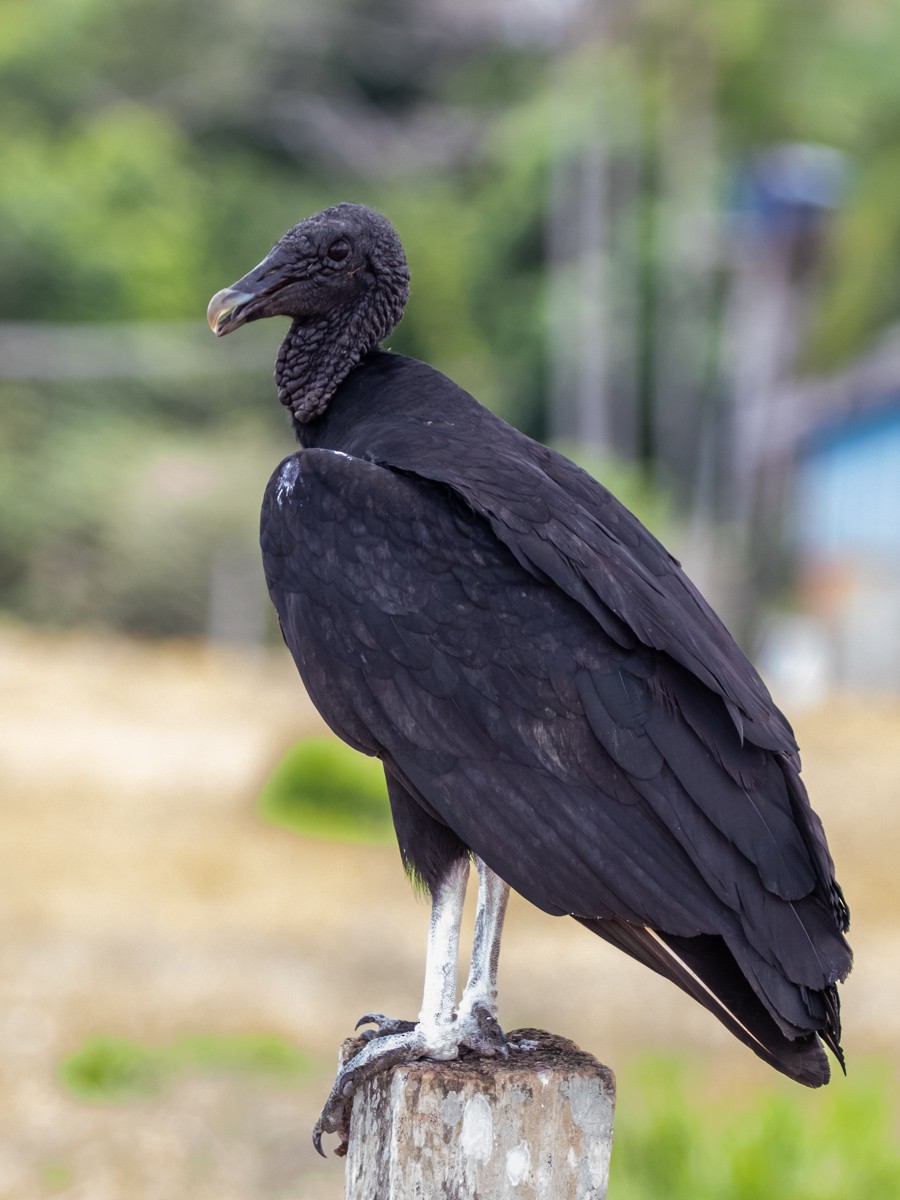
848, 489
787, 190
844, 518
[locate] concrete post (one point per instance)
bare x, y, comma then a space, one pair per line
535, 1126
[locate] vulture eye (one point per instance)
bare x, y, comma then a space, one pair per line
339, 250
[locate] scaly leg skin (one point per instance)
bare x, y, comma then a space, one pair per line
476, 1017
433, 1036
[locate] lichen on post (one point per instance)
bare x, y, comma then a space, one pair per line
538, 1124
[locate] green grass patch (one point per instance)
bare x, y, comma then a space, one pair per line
112, 1068
323, 788
55, 1177
676, 1138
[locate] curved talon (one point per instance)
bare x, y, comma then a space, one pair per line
370, 1019
384, 1025
335, 1118
322, 1127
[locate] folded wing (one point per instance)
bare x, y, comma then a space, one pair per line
606, 756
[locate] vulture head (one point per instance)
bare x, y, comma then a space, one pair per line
341, 276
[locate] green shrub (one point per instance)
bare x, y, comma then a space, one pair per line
784, 1142
322, 788
112, 1068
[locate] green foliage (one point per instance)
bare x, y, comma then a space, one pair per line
107, 517
107, 1068
866, 233
323, 788
826, 1145
111, 1068
55, 1177
111, 211
157, 155
180, 140
262, 1054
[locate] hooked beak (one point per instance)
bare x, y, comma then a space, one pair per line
228, 310
246, 300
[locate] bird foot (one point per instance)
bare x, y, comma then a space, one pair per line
381, 1052
474, 1030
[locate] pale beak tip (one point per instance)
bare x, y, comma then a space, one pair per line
221, 308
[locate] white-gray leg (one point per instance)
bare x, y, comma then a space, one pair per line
493, 894
477, 1014
439, 997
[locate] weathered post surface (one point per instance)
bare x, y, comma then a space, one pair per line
537, 1125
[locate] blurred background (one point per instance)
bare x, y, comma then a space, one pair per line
664, 236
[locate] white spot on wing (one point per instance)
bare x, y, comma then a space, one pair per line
287, 478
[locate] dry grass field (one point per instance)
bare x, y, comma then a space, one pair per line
143, 897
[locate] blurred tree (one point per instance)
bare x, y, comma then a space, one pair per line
558, 174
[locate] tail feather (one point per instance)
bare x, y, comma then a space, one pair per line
704, 967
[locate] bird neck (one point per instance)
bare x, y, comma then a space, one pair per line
319, 353
315, 357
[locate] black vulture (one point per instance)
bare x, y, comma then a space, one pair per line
549, 694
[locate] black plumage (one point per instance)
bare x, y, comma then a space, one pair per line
545, 687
